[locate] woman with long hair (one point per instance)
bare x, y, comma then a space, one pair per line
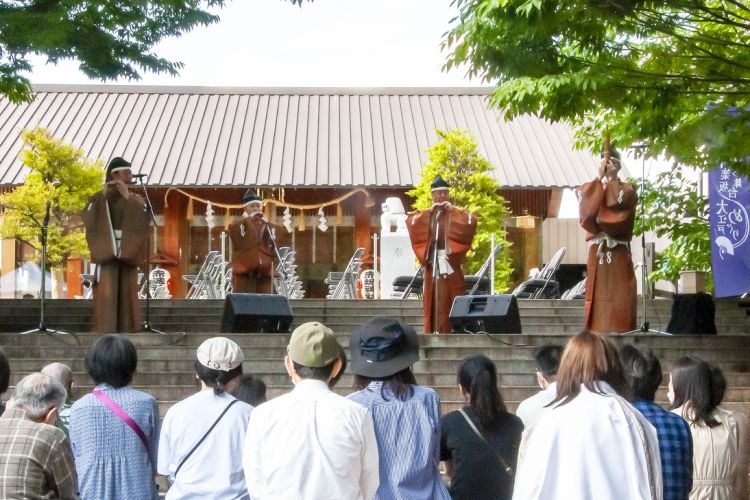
717, 433
589, 442
480, 442
406, 415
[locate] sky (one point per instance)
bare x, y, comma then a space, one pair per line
341, 43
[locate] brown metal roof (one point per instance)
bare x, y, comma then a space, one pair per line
289, 137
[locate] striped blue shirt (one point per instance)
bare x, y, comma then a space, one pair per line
408, 435
675, 449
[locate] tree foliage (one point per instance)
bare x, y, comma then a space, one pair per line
110, 39
674, 74
455, 158
672, 206
61, 175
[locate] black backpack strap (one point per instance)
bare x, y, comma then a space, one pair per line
204, 436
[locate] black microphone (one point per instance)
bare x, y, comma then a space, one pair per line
139, 176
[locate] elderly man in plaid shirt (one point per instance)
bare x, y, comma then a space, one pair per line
675, 441
35, 458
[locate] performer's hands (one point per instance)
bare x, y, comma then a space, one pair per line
602, 168
120, 186
609, 169
443, 205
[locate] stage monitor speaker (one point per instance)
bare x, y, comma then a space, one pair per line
256, 313
486, 313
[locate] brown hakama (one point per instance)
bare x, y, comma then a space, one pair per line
456, 241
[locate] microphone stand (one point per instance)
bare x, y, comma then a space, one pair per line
42, 328
435, 274
146, 326
278, 256
645, 325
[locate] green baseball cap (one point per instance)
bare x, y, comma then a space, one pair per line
313, 345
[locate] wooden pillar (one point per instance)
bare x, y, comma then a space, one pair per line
73, 271
176, 242
362, 229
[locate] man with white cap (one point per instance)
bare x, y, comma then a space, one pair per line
441, 236
202, 437
311, 443
252, 248
116, 232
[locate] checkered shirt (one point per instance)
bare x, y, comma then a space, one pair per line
675, 448
35, 460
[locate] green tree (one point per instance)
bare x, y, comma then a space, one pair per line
110, 39
674, 74
672, 206
455, 158
61, 175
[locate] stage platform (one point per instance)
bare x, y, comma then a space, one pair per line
165, 362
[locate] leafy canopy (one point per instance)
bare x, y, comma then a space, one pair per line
674, 74
61, 175
111, 39
455, 158
673, 207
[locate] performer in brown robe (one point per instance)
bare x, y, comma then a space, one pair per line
453, 230
607, 213
252, 249
116, 230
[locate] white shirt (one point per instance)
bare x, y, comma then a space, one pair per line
311, 444
594, 447
530, 407
214, 470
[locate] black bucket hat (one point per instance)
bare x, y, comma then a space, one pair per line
383, 347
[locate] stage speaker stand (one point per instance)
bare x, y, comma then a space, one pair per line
486, 313
256, 313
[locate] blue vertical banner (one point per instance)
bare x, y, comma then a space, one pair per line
729, 199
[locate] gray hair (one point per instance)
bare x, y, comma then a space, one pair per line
36, 394
60, 372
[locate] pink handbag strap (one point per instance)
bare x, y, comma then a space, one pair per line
122, 415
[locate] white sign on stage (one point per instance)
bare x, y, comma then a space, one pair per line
396, 256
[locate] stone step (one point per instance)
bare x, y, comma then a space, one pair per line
149, 340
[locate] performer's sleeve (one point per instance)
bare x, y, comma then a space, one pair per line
463, 227
592, 195
135, 231
418, 226
617, 214
620, 195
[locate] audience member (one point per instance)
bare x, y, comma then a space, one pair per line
406, 416
675, 442
63, 374
589, 443
202, 437
114, 430
716, 432
547, 359
311, 443
718, 388
35, 456
480, 441
4, 377
251, 390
